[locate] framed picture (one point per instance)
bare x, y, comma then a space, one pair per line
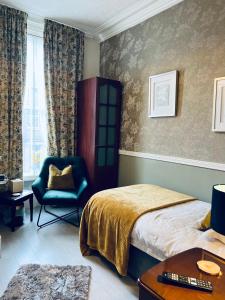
163, 94
218, 122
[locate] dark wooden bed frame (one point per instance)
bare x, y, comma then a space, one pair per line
139, 262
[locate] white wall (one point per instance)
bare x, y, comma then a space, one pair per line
91, 58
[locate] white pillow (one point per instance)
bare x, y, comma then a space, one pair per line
215, 235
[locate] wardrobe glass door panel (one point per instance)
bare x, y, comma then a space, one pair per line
103, 94
101, 157
112, 95
111, 136
111, 115
102, 131
102, 115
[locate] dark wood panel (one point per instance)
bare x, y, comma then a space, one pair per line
87, 123
106, 178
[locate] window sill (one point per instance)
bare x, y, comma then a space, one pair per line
29, 178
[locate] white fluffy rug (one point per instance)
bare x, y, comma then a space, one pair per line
49, 282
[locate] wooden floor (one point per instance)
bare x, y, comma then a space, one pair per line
59, 244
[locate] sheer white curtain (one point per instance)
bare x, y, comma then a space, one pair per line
34, 110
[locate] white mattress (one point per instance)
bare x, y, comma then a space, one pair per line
168, 231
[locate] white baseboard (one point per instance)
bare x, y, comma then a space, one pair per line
176, 160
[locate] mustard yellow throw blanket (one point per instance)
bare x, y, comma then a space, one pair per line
109, 216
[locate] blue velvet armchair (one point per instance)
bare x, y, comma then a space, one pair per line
67, 198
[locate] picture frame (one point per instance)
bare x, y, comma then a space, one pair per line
218, 118
163, 94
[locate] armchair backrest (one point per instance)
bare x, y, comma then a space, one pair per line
79, 168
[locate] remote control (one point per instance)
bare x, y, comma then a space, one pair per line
185, 281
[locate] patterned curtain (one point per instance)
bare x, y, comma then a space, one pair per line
13, 34
63, 60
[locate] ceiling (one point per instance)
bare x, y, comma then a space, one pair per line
99, 19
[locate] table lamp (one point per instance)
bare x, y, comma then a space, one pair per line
218, 208
217, 224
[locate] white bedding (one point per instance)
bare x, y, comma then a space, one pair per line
168, 231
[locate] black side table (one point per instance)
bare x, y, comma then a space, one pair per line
7, 199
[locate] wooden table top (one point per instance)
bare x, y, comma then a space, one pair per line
7, 197
185, 264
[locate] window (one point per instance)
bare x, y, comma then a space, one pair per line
34, 110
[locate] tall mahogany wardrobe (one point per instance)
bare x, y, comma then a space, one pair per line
99, 110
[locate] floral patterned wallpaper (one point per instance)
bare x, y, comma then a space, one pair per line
190, 38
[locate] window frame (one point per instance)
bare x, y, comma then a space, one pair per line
35, 29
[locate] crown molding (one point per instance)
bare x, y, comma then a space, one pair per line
132, 16
176, 160
129, 17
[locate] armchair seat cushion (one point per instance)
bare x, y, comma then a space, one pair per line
58, 197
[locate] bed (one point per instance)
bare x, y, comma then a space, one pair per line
151, 244
164, 232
